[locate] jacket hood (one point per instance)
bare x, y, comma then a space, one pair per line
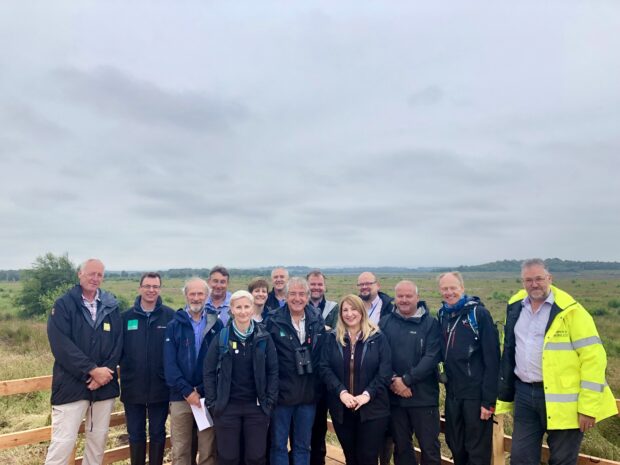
470, 301
413, 319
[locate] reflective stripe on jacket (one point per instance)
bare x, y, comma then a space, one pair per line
573, 365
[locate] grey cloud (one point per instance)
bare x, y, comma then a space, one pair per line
110, 91
428, 96
39, 199
22, 121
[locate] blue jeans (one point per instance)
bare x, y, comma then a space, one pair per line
136, 414
302, 418
530, 424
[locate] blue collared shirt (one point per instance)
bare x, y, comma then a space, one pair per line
199, 329
223, 311
530, 339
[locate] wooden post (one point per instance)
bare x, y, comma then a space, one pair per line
498, 440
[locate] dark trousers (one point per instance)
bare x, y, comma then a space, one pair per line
241, 427
361, 441
469, 438
530, 424
424, 423
136, 415
318, 450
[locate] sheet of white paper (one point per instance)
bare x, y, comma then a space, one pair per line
202, 417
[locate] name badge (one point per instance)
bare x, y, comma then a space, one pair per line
132, 325
106, 326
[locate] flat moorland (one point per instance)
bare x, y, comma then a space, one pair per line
24, 351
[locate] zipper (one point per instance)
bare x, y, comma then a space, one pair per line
351, 364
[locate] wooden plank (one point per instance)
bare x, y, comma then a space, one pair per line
582, 459
34, 436
117, 454
336, 455
25, 385
499, 456
22, 438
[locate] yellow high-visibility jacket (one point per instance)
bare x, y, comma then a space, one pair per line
573, 365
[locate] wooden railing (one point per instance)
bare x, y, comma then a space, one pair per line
501, 442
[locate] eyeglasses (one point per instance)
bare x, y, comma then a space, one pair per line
537, 280
366, 284
151, 286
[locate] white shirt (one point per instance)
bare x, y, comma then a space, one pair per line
300, 328
374, 312
530, 339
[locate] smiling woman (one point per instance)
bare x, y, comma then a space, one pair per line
356, 368
241, 384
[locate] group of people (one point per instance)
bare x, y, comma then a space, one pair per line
269, 364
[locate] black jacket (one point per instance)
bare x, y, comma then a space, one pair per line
217, 382
142, 362
416, 351
507, 375
296, 389
272, 303
387, 304
471, 360
80, 344
375, 376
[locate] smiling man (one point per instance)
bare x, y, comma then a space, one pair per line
144, 392
85, 335
295, 330
219, 297
188, 337
277, 297
377, 303
415, 340
471, 359
552, 370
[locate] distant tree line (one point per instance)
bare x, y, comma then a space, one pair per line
556, 265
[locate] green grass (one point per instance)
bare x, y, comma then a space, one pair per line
24, 350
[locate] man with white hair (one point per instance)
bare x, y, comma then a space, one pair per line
85, 334
295, 330
188, 336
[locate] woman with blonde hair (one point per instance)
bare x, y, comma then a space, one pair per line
241, 385
356, 368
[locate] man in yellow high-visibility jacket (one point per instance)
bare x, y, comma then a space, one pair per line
552, 370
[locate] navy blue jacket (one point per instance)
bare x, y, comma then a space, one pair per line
182, 367
142, 361
416, 351
80, 344
272, 303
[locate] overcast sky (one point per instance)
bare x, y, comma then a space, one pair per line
161, 134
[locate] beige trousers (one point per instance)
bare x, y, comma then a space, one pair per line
66, 420
181, 425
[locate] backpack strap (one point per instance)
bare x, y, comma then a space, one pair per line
473, 320
222, 348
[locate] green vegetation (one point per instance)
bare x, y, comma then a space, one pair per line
24, 350
50, 277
